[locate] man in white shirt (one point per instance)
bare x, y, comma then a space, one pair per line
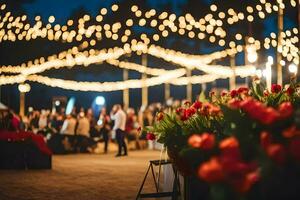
119, 117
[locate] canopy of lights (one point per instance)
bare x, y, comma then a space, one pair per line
88, 31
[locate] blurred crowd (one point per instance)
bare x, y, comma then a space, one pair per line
81, 130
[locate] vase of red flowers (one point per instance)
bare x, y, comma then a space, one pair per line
242, 144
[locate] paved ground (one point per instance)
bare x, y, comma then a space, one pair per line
80, 177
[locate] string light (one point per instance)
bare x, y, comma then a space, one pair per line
106, 86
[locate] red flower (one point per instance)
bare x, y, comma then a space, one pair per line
160, 116
197, 105
230, 148
275, 88
211, 171
210, 109
247, 181
290, 132
233, 93
294, 148
223, 93
205, 141
190, 112
243, 90
258, 111
276, 152
230, 142
150, 136
265, 139
290, 91
285, 110
195, 141
234, 103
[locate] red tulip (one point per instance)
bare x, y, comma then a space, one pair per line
275, 88
211, 171
195, 141
233, 93
197, 105
205, 141
290, 91
243, 90
285, 110
277, 153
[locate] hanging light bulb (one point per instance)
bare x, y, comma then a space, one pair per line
293, 68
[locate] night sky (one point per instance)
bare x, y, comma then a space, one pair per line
40, 95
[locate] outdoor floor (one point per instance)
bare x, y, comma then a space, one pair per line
80, 177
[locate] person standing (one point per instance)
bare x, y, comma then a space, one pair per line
69, 126
119, 117
83, 133
104, 123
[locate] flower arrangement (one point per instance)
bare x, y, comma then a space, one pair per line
243, 144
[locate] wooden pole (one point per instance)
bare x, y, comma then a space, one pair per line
167, 91
279, 45
232, 84
22, 104
144, 77
189, 86
246, 58
125, 91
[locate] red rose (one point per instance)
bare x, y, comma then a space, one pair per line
294, 148
204, 141
276, 152
190, 112
290, 91
160, 116
211, 171
234, 103
195, 141
150, 136
243, 90
230, 142
275, 88
230, 148
258, 111
265, 139
197, 105
208, 141
285, 110
233, 93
